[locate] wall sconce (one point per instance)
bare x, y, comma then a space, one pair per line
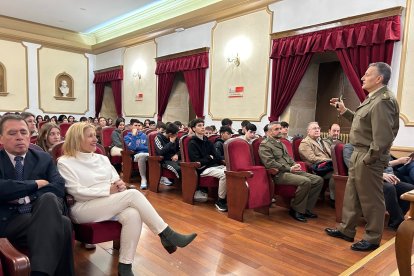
235, 60
136, 75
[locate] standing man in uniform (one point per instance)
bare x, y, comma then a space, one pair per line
375, 124
273, 154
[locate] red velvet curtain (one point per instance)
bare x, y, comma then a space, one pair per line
195, 80
114, 77
117, 92
165, 84
196, 66
99, 94
357, 45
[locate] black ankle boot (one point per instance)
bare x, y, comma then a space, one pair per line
170, 239
125, 269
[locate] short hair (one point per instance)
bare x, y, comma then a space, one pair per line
311, 123
171, 129
334, 124
74, 138
284, 124
152, 122
245, 123
160, 124
178, 123
83, 119
226, 122
26, 115
273, 123
224, 129
10, 117
61, 117
196, 121
384, 70
251, 127
44, 134
133, 121
119, 121
266, 128
213, 127
208, 128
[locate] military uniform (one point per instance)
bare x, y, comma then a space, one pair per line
273, 154
375, 124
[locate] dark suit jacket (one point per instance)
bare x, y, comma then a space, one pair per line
37, 165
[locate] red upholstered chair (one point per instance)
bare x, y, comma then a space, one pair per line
12, 262
64, 128
39, 125
340, 176
235, 135
107, 142
284, 192
154, 165
248, 186
33, 139
213, 138
181, 133
295, 147
190, 178
94, 232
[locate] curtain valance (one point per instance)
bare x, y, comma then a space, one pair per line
196, 61
108, 76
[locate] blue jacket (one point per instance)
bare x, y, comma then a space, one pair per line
137, 143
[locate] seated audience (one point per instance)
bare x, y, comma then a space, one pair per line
136, 140
46, 118
285, 131
101, 195
147, 123
179, 124
166, 145
225, 134
54, 120
406, 171
71, 119
333, 134
31, 123
83, 119
116, 137
266, 130
250, 133
316, 152
31, 200
200, 149
102, 121
244, 123
39, 119
273, 154
161, 129
208, 131
109, 122
99, 133
393, 189
152, 125
214, 129
49, 135
62, 118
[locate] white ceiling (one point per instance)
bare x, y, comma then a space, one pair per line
74, 15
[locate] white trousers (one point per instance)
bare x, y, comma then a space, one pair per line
115, 151
141, 158
131, 208
218, 172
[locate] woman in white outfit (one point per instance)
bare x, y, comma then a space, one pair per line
100, 195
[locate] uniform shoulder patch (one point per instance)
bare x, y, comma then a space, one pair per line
385, 96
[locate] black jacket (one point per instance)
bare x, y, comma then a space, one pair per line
201, 151
165, 148
219, 145
37, 165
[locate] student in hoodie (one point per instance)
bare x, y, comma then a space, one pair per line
166, 145
200, 149
136, 140
225, 134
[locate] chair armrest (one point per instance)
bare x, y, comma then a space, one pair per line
127, 152
190, 164
156, 158
70, 200
272, 171
15, 262
239, 174
409, 197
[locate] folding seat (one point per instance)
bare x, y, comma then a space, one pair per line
190, 179
94, 232
248, 186
107, 142
12, 262
155, 169
284, 192
340, 176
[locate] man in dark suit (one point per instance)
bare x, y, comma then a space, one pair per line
31, 201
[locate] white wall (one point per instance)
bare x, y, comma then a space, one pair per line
110, 59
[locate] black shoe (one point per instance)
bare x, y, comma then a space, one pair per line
332, 203
221, 205
125, 270
363, 245
296, 215
171, 239
309, 214
338, 234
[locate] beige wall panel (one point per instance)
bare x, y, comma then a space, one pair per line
406, 83
14, 58
247, 36
140, 59
54, 62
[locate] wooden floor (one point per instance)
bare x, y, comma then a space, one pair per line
262, 245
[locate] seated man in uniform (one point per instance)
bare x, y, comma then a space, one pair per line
314, 151
273, 154
31, 201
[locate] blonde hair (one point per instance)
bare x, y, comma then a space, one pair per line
44, 132
74, 138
